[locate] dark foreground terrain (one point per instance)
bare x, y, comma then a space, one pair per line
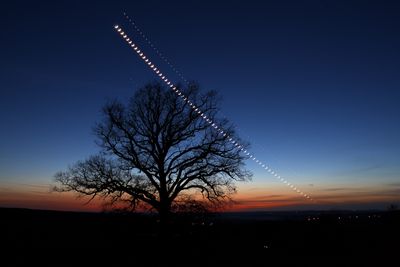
49, 238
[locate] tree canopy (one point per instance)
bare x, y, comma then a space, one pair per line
158, 152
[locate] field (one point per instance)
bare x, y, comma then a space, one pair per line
53, 238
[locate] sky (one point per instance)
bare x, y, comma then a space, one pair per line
312, 85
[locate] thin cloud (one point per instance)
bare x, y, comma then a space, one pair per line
396, 184
34, 185
359, 170
270, 199
333, 189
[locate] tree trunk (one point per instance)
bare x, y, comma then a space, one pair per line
165, 216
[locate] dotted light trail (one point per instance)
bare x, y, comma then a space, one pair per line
155, 48
166, 60
203, 116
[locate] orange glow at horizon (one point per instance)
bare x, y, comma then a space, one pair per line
247, 199
42, 198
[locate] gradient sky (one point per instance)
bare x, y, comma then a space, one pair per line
313, 85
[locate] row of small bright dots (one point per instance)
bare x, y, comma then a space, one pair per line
196, 109
155, 48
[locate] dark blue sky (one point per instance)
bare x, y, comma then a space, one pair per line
313, 85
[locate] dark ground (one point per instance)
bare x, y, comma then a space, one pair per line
49, 238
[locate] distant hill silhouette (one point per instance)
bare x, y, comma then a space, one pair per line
249, 239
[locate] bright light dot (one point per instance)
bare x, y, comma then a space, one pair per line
116, 27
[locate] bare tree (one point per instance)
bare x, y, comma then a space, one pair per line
157, 152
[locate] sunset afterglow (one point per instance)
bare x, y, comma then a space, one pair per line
318, 103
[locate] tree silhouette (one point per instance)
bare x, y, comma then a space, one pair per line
157, 152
